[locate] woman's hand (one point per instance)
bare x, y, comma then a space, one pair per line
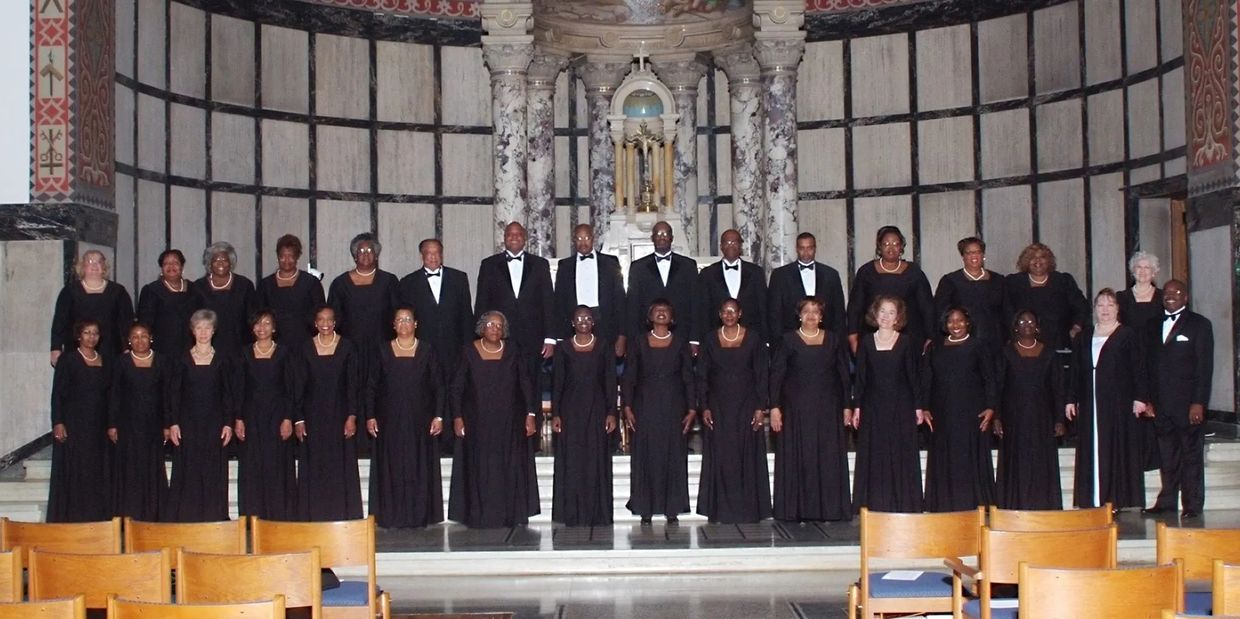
1069, 411
777, 420
556, 424
286, 429
531, 428
924, 417
856, 418
112, 435
239, 429
225, 435
174, 435
848, 418
299, 429
1138, 408
350, 426
437, 426
609, 425
686, 423
458, 427
372, 427
986, 416
759, 417
55, 357
630, 420
59, 433
708, 419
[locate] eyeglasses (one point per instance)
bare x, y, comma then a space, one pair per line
583, 238
404, 319
730, 242
891, 244
582, 319
493, 323
365, 250
662, 235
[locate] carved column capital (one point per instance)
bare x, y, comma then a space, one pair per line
778, 15
506, 56
681, 74
738, 63
603, 74
506, 18
543, 70
779, 54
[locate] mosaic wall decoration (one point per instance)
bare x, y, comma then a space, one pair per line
1206, 52
51, 94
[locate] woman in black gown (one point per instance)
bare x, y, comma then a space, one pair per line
961, 392
329, 486
809, 402
266, 481
291, 294
229, 295
733, 373
660, 404
1108, 390
406, 398
201, 415
1053, 296
92, 297
365, 297
1138, 305
889, 275
1031, 409
979, 291
166, 304
583, 408
494, 483
888, 475
78, 490
136, 426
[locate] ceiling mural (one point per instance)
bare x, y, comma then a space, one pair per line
600, 11
637, 12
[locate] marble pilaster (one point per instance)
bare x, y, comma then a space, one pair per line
507, 62
540, 158
682, 75
778, 59
601, 77
745, 99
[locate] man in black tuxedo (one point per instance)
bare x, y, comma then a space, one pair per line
440, 299
661, 275
519, 285
731, 278
804, 278
590, 278
1181, 365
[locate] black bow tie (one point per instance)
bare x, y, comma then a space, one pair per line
1172, 317
585, 257
806, 267
658, 258
517, 258
734, 267
435, 274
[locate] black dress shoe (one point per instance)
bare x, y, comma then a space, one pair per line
646, 520
672, 519
1189, 514
1154, 511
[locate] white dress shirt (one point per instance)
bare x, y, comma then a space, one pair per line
434, 279
516, 268
809, 279
732, 277
587, 280
1170, 324
664, 266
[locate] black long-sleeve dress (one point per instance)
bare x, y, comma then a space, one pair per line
810, 384
1059, 304
329, 486
266, 479
404, 394
888, 469
203, 401
364, 313
1138, 314
293, 306
78, 490
138, 409
959, 385
659, 386
983, 298
1031, 403
494, 483
111, 308
232, 307
732, 383
167, 314
910, 285
583, 394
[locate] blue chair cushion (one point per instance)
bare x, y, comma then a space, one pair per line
1198, 603
973, 608
928, 584
349, 593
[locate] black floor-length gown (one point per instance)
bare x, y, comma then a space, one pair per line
960, 384
293, 306
167, 314
1111, 443
202, 402
732, 383
266, 478
405, 394
659, 386
910, 285
583, 394
139, 407
810, 384
1138, 314
111, 308
1031, 403
329, 486
232, 307
888, 470
982, 298
78, 489
494, 483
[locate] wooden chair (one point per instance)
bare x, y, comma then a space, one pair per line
215, 579
1131, 593
887, 536
70, 608
126, 609
345, 543
1225, 591
11, 576
1049, 519
79, 537
1002, 553
1171, 614
1198, 549
224, 538
145, 576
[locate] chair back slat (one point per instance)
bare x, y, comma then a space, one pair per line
11, 576
1129, 593
144, 576
915, 536
225, 537
216, 578
1197, 548
343, 543
79, 537
1226, 588
127, 609
1004, 551
69, 608
1049, 519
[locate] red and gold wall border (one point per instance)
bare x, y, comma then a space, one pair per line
51, 97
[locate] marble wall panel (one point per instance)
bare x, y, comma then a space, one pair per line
1173, 109
1145, 174
561, 166
723, 104
1154, 217
880, 75
945, 150
124, 125
232, 148
466, 96
583, 169
1169, 13
820, 160
187, 140
151, 126
1057, 53
188, 49
1002, 74
723, 165
284, 216
820, 82
1174, 166
1143, 133
401, 228
406, 76
123, 12
343, 159
232, 220
467, 165
1061, 225
150, 228
1141, 21
560, 99
944, 68
1007, 225
1005, 143
827, 220
870, 214
342, 76
705, 217
232, 60
26, 267
152, 39
1102, 41
468, 235
881, 156
185, 220
124, 271
406, 162
1210, 282
286, 149
704, 166
286, 69
1106, 128
946, 218
1106, 229
1059, 135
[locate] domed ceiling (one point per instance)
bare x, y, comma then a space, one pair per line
638, 12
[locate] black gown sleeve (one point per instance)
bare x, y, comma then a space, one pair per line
842, 369
438, 387
858, 301
779, 367
863, 365
62, 319
926, 377
609, 374
115, 400
762, 373
702, 375
62, 386
148, 306
925, 303
559, 367
632, 370
123, 311
372, 384
232, 398
176, 379
353, 380
686, 376
944, 295
524, 378
1080, 307
987, 369
457, 387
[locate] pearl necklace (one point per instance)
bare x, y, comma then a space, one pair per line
89, 289
149, 354
970, 275
226, 285
169, 286
289, 278
1038, 283
411, 347
724, 334
90, 359
194, 352
361, 274
258, 352
483, 344
580, 345
957, 341
1029, 347
660, 337
804, 334
886, 270
891, 343
318, 339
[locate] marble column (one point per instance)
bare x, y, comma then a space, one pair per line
507, 62
682, 75
778, 59
601, 77
745, 99
540, 159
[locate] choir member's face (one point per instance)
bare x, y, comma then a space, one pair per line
730, 314
583, 322
432, 255
661, 315
263, 328
1039, 263
1143, 272
1106, 309
807, 250
957, 325
140, 340
730, 245
661, 236
325, 322
1026, 325
171, 268
1175, 297
887, 315
493, 329
220, 264
583, 239
514, 238
365, 259
973, 257
89, 337
203, 331
287, 259
890, 247
811, 315
404, 323
92, 265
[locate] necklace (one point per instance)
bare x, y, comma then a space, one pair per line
804, 334
580, 345
483, 344
970, 275
886, 270
660, 337
169, 286
1029, 347
90, 359
957, 341
227, 284
89, 289
289, 278
318, 339
361, 274
890, 339
411, 346
149, 354
258, 352
1038, 283
724, 334
200, 353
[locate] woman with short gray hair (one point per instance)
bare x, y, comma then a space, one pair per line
1139, 305
365, 297
229, 295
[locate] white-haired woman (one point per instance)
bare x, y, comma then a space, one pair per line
365, 297
229, 295
91, 297
1138, 305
